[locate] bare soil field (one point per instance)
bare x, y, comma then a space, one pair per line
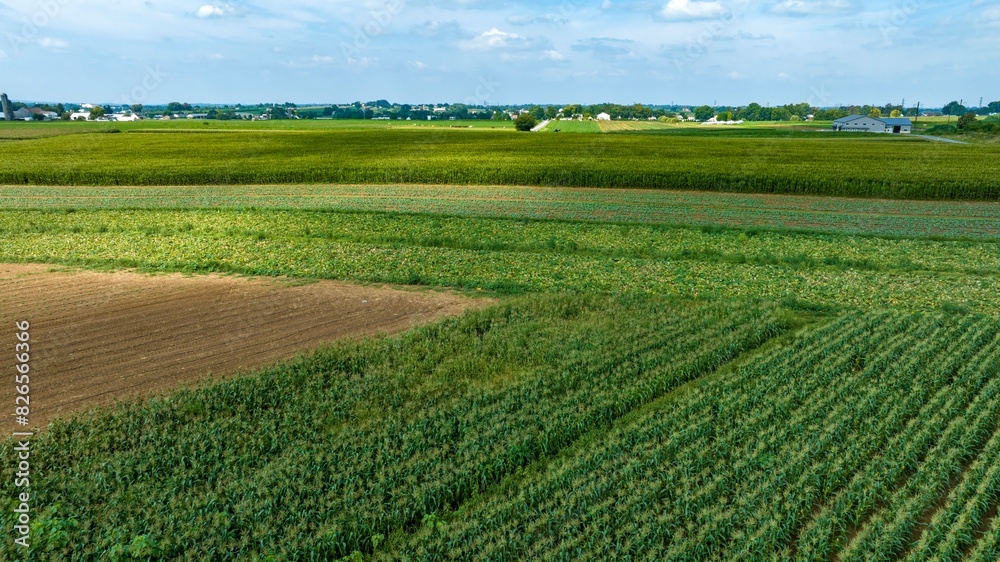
99, 337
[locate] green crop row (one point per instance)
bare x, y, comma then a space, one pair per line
940, 219
803, 251
819, 165
517, 256
838, 445
313, 459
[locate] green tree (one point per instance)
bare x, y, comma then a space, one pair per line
551, 112
538, 112
875, 112
896, 113
725, 116
704, 112
994, 106
96, 112
967, 121
954, 108
136, 108
780, 114
752, 112
525, 122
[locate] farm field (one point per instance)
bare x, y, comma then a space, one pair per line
572, 127
109, 336
805, 163
888, 451
657, 374
513, 256
886, 218
631, 126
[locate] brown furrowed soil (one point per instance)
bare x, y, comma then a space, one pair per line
99, 337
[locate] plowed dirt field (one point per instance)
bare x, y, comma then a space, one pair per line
97, 337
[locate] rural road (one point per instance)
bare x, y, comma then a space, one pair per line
540, 126
939, 139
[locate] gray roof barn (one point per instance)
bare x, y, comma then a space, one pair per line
861, 123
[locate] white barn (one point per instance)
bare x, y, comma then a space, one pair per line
862, 124
603, 117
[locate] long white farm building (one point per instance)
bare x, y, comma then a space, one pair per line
862, 124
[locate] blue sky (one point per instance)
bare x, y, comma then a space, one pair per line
826, 52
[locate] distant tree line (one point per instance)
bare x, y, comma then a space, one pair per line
384, 109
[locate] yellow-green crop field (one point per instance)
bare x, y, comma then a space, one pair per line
744, 161
675, 373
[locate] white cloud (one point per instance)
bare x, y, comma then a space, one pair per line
809, 7
735, 75
497, 39
216, 56
553, 55
214, 11
3, 54
490, 40
322, 59
783, 76
688, 10
50, 43
992, 14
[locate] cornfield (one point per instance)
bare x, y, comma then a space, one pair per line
810, 163
311, 459
873, 437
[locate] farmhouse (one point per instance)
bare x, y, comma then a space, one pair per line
46, 115
603, 117
862, 124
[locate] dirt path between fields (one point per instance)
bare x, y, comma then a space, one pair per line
99, 337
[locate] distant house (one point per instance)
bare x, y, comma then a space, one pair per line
46, 115
603, 117
80, 115
862, 124
23, 114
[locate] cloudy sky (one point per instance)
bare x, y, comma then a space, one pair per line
825, 52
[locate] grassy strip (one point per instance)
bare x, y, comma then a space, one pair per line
884, 218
